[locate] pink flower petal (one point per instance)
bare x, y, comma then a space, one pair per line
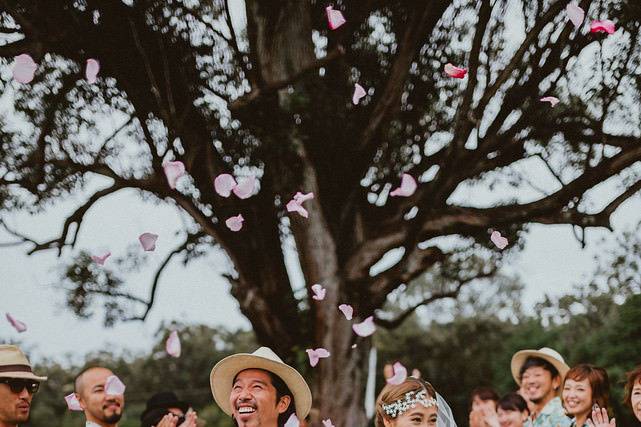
605, 26
319, 292
400, 374
293, 206
24, 68
359, 92
100, 259
347, 310
365, 328
172, 345
114, 387
91, 70
334, 18
292, 421
328, 423
148, 241
224, 184
72, 402
235, 223
245, 188
456, 72
500, 241
173, 171
316, 355
407, 188
551, 99
300, 197
575, 14
18, 325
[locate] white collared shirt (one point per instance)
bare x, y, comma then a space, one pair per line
92, 424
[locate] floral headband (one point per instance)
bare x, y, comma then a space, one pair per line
409, 401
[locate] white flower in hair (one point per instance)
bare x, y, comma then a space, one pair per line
409, 401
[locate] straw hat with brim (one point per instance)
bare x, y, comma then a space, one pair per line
545, 353
223, 374
14, 364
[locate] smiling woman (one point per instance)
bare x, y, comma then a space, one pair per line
633, 391
584, 387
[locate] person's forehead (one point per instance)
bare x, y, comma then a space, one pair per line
422, 410
254, 375
96, 376
574, 381
535, 370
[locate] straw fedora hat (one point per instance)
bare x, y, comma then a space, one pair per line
14, 364
223, 374
545, 353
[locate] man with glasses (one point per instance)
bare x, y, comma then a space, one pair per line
18, 384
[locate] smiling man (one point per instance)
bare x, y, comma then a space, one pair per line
540, 374
259, 389
101, 409
18, 384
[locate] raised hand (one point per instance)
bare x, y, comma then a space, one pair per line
168, 420
600, 418
190, 419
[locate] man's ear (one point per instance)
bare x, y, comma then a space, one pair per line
283, 403
556, 382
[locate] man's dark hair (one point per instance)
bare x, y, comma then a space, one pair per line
532, 362
513, 402
281, 390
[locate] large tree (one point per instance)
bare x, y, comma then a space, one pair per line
270, 95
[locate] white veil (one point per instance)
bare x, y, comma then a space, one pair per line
444, 416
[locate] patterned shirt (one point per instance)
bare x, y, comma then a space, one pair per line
552, 415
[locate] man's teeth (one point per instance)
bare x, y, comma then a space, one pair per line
245, 410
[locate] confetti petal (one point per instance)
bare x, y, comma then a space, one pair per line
575, 14
365, 328
172, 345
400, 374
148, 241
551, 99
17, 325
334, 18
407, 188
328, 423
91, 70
224, 184
300, 197
316, 355
100, 259
235, 223
24, 68
245, 188
347, 310
500, 241
72, 402
173, 171
114, 387
319, 292
456, 72
605, 26
292, 206
359, 92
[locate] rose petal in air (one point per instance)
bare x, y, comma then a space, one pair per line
316, 355
456, 72
500, 241
100, 259
407, 188
605, 26
359, 92
292, 421
91, 70
365, 328
173, 171
224, 184
17, 325
334, 18
347, 310
235, 223
172, 345
148, 241
319, 292
245, 188
24, 68
114, 387
72, 402
551, 99
400, 374
300, 197
293, 206
575, 14
328, 423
